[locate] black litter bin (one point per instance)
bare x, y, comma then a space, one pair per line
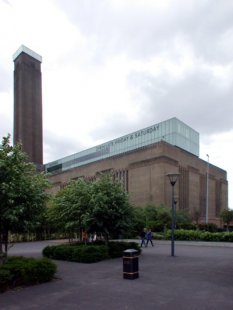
130, 264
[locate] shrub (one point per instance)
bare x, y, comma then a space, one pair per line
188, 235
227, 236
63, 252
115, 249
17, 266
208, 227
206, 236
159, 235
198, 235
89, 253
24, 271
48, 251
60, 252
40, 271
77, 252
5, 279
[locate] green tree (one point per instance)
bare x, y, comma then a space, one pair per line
71, 206
196, 215
138, 221
227, 216
111, 214
22, 192
156, 217
164, 218
183, 220
151, 214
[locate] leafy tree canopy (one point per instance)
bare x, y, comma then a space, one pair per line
158, 217
101, 206
22, 191
71, 206
227, 216
111, 212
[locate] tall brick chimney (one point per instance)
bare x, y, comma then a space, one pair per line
28, 122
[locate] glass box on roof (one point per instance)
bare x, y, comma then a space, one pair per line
172, 131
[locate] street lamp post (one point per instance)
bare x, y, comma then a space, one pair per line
173, 178
207, 191
175, 203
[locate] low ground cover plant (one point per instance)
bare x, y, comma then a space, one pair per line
22, 271
90, 252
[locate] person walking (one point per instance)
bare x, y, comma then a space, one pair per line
149, 237
143, 237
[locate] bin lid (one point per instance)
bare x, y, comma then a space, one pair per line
130, 251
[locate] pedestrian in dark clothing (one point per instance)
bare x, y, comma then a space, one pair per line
149, 237
143, 237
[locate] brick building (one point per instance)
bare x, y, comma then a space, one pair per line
141, 162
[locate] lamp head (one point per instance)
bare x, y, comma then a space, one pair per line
173, 178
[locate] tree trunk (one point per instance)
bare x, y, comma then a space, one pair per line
106, 239
3, 246
1, 250
5, 241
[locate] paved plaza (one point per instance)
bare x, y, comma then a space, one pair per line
200, 276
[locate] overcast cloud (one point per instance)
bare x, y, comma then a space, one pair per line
111, 67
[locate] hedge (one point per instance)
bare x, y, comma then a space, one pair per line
199, 235
89, 253
23, 271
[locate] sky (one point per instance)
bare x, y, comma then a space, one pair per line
111, 67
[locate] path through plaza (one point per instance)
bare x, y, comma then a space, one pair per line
200, 276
